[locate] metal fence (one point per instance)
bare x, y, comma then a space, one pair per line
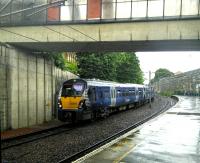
37, 12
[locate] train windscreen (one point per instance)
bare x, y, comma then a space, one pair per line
73, 89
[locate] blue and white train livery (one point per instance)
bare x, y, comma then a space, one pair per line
81, 99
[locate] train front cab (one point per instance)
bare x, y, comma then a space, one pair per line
70, 100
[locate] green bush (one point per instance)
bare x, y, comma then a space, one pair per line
63, 64
167, 93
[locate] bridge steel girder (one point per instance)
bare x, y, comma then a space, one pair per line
129, 36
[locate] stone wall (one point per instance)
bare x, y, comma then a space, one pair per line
187, 83
28, 87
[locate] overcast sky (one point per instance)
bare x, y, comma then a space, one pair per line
173, 61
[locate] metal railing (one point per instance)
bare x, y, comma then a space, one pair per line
20, 12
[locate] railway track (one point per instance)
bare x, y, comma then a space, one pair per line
112, 137
28, 138
31, 137
10, 150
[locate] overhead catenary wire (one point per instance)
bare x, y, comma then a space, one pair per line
81, 32
55, 4
19, 34
60, 33
73, 39
36, 39
66, 25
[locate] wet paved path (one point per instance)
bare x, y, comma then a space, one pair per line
174, 137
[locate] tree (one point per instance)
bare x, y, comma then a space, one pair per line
128, 69
121, 67
63, 64
97, 66
162, 73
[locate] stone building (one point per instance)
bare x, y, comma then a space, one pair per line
187, 83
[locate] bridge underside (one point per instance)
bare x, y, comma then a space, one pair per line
176, 35
158, 45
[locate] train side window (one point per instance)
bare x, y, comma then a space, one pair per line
101, 94
118, 93
106, 94
127, 93
123, 93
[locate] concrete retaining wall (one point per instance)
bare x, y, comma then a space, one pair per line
187, 83
4, 101
28, 87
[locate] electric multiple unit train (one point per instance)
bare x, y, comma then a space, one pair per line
81, 99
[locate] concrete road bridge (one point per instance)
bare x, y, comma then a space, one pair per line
101, 25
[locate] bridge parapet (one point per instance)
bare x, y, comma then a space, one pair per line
140, 36
46, 12
117, 25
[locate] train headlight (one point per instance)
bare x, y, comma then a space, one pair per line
80, 105
59, 103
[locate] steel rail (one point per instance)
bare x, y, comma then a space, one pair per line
46, 133
39, 135
112, 137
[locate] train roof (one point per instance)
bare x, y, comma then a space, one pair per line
97, 82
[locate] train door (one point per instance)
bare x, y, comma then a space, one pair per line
113, 96
144, 94
92, 95
137, 94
